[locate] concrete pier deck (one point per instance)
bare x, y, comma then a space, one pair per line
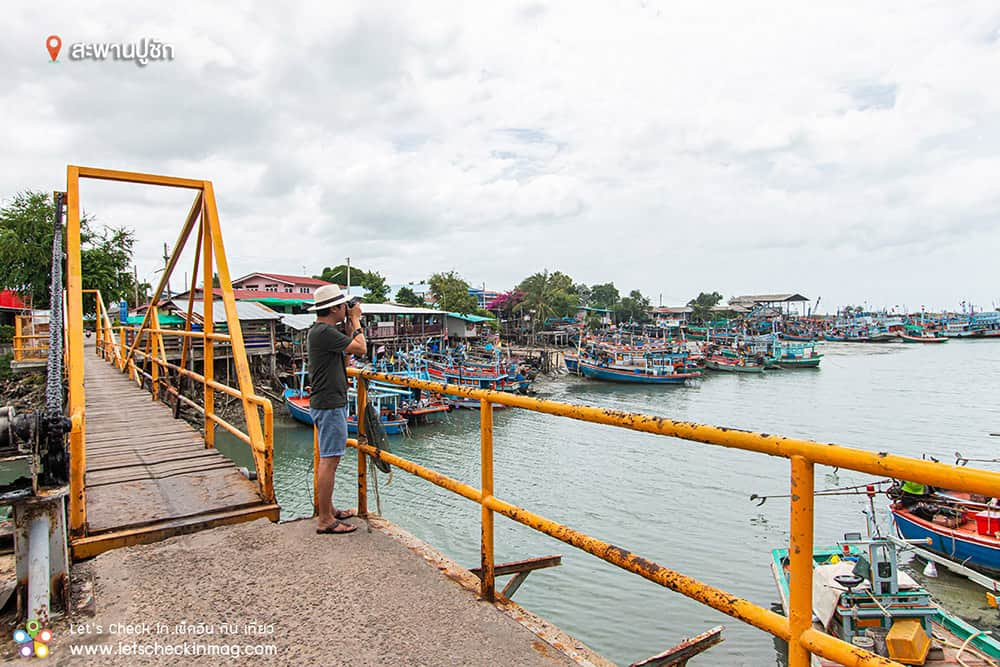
373, 597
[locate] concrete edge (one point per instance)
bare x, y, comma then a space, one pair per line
546, 631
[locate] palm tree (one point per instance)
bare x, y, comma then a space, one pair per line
539, 291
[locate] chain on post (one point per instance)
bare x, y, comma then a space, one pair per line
54, 459
54, 369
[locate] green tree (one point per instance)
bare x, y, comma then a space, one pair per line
26, 230
604, 296
105, 262
582, 294
702, 305
338, 274
633, 308
451, 293
375, 286
407, 297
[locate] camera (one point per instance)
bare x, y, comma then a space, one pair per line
353, 301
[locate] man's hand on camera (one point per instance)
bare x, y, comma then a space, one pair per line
355, 312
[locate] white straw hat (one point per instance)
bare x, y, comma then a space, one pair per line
327, 296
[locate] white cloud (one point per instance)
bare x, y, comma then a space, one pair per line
671, 149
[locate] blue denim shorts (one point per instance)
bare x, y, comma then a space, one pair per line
332, 426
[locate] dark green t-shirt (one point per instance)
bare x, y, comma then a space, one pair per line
326, 367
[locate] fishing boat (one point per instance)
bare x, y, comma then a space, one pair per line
915, 333
803, 338
298, 405
297, 399
386, 399
957, 528
572, 360
297, 402
665, 374
424, 410
922, 338
637, 364
861, 597
795, 355
719, 362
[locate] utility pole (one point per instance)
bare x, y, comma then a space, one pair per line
135, 284
348, 275
166, 260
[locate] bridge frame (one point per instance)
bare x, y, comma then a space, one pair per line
211, 253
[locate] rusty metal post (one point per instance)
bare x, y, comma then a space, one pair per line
207, 328
154, 354
74, 348
362, 403
41, 557
800, 556
488, 584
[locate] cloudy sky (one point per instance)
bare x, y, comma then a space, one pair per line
848, 153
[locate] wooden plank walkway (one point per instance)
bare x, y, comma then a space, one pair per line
147, 471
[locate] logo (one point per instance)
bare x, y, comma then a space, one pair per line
53, 44
33, 640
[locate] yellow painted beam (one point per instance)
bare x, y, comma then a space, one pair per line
88, 547
74, 348
486, 559
137, 177
800, 556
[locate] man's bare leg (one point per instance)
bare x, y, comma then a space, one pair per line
324, 490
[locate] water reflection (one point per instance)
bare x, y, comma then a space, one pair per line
682, 504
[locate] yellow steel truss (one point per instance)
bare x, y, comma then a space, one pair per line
211, 254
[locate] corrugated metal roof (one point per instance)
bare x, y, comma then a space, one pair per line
245, 310
767, 298
393, 309
299, 322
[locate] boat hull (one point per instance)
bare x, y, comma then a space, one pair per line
812, 362
391, 426
733, 368
298, 406
923, 339
613, 375
979, 552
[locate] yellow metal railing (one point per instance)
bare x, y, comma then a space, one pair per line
124, 346
803, 455
29, 345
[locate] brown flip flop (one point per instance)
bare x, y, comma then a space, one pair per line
345, 514
332, 529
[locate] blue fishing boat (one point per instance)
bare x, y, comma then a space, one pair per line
861, 597
386, 399
638, 367
298, 406
297, 399
297, 402
572, 360
957, 529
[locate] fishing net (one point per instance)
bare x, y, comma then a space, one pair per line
375, 433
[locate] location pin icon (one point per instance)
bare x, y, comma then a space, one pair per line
53, 44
